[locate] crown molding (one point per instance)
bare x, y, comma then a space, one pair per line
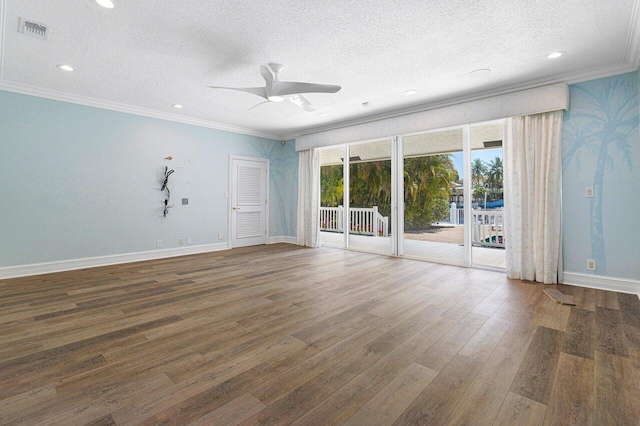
631, 64
632, 52
130, 109
569, 78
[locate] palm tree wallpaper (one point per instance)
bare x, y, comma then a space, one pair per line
601, 147
283, 164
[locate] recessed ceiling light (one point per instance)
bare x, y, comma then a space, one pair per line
483, 72
554, 55
64, 67
411, 92
323, 114
105, 3
177, 106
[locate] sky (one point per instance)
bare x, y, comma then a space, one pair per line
485, 155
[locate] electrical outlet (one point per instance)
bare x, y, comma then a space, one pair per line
591, 265
220, 235
181, 242
159, 243
188, 240
588, 192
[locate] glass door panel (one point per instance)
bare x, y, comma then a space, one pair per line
370, 197
332, 196
433, 196
487, 215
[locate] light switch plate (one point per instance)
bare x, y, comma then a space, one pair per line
588, 191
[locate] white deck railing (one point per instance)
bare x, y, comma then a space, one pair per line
331, 219
363, 221
487, 225
488, 228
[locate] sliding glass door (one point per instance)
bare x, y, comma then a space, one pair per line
434, 196
370, 197
355, 196
332, 196
487, 196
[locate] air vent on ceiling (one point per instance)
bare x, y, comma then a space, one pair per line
492, 144
33, 29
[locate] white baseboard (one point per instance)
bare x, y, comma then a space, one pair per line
602, 282
282, 239
92, 262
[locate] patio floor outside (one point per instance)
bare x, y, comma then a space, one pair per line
441, 245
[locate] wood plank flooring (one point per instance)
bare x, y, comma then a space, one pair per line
287, 335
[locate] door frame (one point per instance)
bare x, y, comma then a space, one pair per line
397, 195
470, 126
398, 153
230, 195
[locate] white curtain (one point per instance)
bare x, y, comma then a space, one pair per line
308, 231
532, 191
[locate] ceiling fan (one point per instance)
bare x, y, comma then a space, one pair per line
278, 91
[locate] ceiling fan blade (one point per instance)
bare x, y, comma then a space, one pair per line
302, 102
253, 90
261, 103
268, 78
283, 88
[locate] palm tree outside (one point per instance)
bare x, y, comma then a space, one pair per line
429, 182
478, 172
495, 177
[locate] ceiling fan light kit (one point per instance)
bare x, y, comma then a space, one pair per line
278, 91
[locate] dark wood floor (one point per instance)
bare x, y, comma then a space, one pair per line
282, 334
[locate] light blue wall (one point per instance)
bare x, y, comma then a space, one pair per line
601, 148
79, 182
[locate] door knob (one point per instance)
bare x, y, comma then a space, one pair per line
235, 208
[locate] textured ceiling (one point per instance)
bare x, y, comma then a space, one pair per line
152, 54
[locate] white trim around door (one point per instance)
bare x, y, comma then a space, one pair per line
254, 205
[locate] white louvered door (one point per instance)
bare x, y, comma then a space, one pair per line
249, 180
